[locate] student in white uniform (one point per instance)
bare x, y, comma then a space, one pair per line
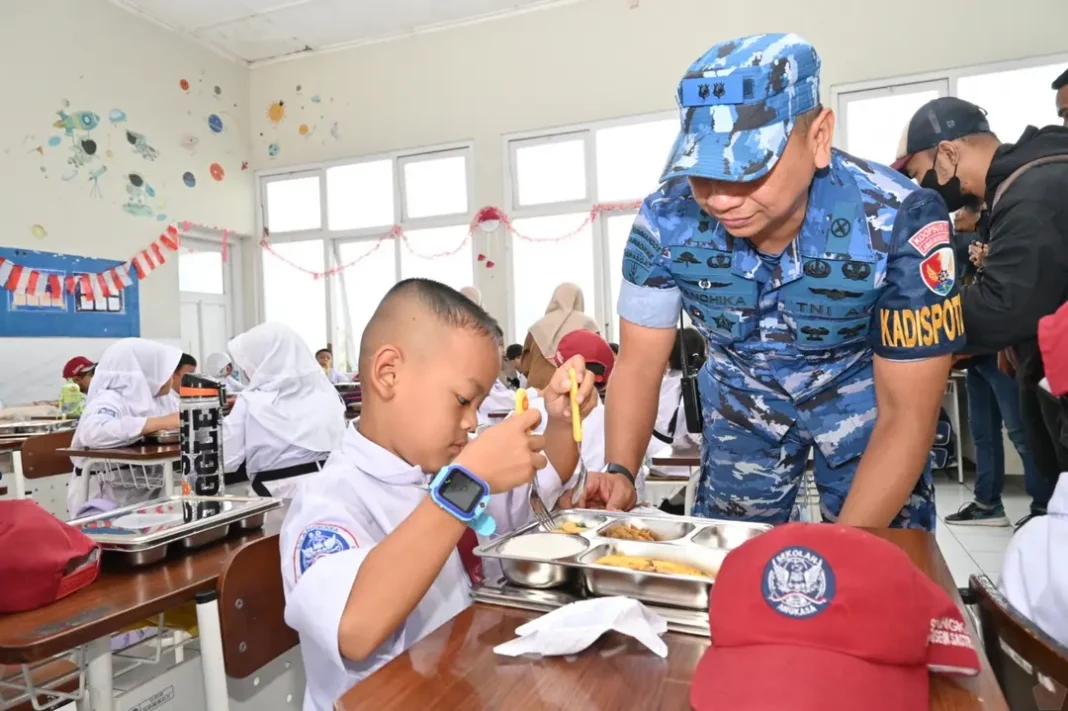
220, 367
289, 417
128, 398
371, 561
326, 361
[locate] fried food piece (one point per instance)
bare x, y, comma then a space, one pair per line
570, 527
651, 565
628, 532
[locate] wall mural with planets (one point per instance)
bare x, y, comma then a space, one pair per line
301, 116
107, 152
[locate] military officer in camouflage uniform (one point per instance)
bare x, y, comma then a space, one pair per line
824, 284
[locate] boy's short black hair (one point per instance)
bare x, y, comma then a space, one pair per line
187, 359
689, 350
447, 305
1061, 81
324, 350
614, 347
514, 351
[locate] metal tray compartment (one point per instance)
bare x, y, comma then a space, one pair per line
591, 521
141, 534
540, 574
726, 536
679, 590
163, 437
663, 529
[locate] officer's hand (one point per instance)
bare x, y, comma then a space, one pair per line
506, 455
613, 492
557, 394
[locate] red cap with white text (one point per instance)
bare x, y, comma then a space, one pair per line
812, 616
47, 557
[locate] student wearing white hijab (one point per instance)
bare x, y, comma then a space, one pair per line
220, 367
128, 398
289, 417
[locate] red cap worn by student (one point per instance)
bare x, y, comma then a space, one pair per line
821, 617
1053, 342
78, 365
48, 558
592, 348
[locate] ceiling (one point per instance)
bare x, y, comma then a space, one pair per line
261, 30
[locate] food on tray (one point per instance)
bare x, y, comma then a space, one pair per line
572, 527
544, 546
629, 532
651, 565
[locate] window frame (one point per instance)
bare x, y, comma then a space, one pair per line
332, 239
839, 93
603, 309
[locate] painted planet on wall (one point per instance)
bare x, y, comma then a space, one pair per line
273, 150
183, 84
217, 171
189, 179
116, 116
215, 123
54, 141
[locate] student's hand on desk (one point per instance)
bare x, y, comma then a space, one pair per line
506, 455
613, 492
557, 394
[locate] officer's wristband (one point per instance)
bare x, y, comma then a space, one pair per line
613, 468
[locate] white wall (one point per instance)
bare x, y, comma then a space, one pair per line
598, 59
98, 58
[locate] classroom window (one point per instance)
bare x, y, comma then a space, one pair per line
424, 194
873, 115
555, 181
201, 272
293, 297
293, 205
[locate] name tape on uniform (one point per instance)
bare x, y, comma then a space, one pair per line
922, 327
930, 236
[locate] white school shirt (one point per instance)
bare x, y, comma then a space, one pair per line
500, 398
335, 519
246, 440
1034, 576
106, 423
670, 404
592, 431
233, 385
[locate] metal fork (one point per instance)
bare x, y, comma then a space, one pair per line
576, 428
541, 512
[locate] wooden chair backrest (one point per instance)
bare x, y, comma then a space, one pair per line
1030, 666
39, 458
252, 607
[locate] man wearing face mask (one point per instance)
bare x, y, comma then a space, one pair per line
948, 147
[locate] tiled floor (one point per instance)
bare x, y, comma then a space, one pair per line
975, 549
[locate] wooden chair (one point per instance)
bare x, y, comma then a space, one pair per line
1030, 666
252, 606
37, 459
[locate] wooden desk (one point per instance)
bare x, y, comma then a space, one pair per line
455, 667
11, 445
684, 453
136, 454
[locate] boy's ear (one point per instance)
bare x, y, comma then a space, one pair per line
385, 369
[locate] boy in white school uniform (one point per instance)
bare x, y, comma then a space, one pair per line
371, 561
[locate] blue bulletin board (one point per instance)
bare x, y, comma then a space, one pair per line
70, 315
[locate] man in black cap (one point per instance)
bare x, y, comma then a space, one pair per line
1060, 85
948, 147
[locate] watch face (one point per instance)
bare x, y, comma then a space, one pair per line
461, 491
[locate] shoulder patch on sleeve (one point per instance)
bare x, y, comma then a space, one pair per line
107, 411
939, 271
318, 540
930, 236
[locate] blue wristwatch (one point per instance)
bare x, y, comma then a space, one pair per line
465, 496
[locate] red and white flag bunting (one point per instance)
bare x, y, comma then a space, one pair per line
24, 280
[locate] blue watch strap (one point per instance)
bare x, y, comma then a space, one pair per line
484, 525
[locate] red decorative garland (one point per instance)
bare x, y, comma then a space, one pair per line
487, 214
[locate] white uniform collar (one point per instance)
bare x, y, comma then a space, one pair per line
376, 461
1058, 503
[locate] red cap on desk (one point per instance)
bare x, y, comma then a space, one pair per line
47, 558
819, 616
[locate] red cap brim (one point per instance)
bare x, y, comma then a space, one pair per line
900, 163
773, 677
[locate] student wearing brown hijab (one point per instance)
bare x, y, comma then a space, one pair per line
564, 315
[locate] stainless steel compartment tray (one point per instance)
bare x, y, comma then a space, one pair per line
702, 543
162, 521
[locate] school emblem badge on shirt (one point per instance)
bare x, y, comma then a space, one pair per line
319, 540
939, 271
798, 583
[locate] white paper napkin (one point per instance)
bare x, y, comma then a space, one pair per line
572, 628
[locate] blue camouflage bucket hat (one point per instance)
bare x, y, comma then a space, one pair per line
738, 105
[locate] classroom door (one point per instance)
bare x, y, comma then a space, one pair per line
206, 302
